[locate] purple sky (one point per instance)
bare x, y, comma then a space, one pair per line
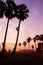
32, 26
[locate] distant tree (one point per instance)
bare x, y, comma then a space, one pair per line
19, 45
28, 41
41, 37
32, 47
9, 51
36, 38
24, 43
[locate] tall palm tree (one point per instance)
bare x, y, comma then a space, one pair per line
28, 41
21, 15
9, 13
2, 8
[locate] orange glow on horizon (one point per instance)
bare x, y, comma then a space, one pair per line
10, 46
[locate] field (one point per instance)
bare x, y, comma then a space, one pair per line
23, 58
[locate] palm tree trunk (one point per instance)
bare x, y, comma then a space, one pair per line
3, 48
14, 50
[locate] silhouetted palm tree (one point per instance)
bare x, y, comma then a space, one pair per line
36, 38
9, 13
24, 43
19, 45
28, 41
41, 37
21, 15
32, 47
9, 51
2, 8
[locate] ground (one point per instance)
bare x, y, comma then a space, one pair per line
23, 58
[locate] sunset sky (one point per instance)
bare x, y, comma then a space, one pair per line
32, 26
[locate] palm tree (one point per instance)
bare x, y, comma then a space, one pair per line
24, 43
19, 45
32, 47
9, 13
36, 38
21, 15
41, 37
28, 41
9, 51
2, 8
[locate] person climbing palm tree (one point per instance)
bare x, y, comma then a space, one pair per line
21, 15
9, 14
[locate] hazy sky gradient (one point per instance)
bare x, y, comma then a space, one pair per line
32, 26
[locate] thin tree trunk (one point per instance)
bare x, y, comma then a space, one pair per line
3, 48
14, 50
